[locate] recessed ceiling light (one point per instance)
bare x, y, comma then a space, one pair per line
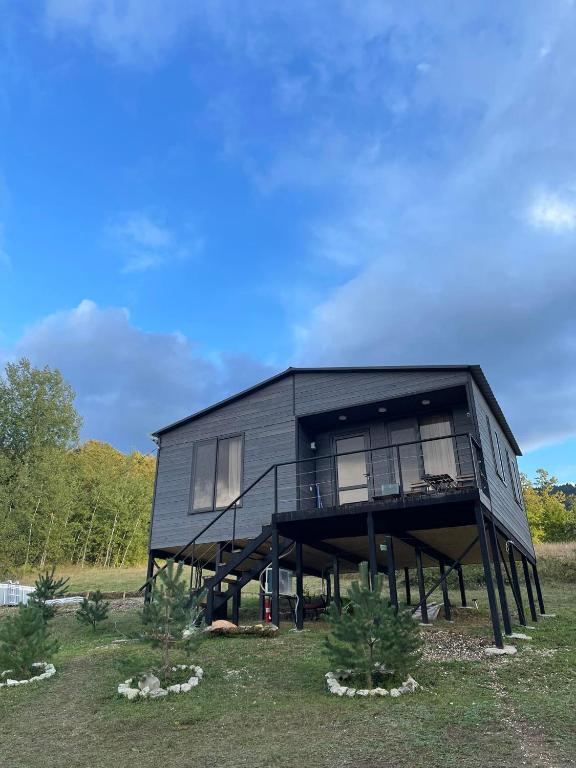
382, 409
342, 417
425, 402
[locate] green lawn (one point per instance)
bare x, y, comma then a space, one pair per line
263, 702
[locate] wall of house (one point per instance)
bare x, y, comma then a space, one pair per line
266, 419
504, 506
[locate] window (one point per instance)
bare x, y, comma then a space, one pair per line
217, 473
514, 479
439, 458
500, 462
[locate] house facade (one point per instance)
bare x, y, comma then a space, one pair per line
341, 465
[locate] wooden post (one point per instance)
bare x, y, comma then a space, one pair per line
407, 585
538, 589
444, 586
391, 571
493, 535
372, 553
336, 574
462, 586
299, 587
529, 588
516, 585
488, 577
421, 588
275, 613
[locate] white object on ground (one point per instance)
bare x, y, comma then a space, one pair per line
508, 650
149, 686
548, 615
333, 680
64, 600
518, 636
14, 593
433, 611
49, 670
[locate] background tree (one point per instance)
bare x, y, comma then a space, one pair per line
371, 634
551, 514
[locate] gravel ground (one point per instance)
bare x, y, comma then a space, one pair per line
443, 645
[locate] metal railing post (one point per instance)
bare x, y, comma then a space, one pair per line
400, 478
334, 481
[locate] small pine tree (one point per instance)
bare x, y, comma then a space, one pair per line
371, 634
24, 640
93, 610
46, 587
169, 613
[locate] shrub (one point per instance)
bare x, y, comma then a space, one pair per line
371, 636
24, 640
93, 610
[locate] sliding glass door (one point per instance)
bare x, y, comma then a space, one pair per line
351, 469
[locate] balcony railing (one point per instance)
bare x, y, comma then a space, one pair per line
404, 473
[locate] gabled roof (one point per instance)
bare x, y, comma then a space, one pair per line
475, 370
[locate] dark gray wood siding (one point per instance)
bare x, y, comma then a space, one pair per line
317, 392
504, 506
266, 419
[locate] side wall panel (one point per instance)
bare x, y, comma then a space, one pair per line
504, 506
266, 419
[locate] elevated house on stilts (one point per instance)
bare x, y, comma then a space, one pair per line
317, 469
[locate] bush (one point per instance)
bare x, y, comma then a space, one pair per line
24, 640
371, 637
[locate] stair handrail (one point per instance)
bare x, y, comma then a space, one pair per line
183, 549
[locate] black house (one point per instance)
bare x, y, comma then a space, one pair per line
317, 469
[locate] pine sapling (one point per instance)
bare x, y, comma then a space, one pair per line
46, 587
25, 640
170, 617
371, 636
93, 610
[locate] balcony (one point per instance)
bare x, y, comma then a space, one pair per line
436, 469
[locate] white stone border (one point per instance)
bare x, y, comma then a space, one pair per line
335, 686
49, 670
126, 688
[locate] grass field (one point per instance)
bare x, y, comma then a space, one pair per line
263, 702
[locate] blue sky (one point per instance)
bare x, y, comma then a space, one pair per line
194, 196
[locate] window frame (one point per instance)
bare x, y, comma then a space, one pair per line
208, 441
514, 479
500, 463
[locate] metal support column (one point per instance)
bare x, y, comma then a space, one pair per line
149, 583
488, 577
328, 582
275, 613
336, 575
444, 586
462, 587
299, 587
538, 589
528, 581
236, 600
391, 562
407, 585
493, 536
421, 588
372, 552
515, 583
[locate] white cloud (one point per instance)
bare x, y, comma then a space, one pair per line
553, 212
146, 243
128, 381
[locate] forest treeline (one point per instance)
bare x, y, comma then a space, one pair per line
62, 502
89, 504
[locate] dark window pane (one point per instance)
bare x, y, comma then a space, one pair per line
439, 456
204, 468
229, 470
